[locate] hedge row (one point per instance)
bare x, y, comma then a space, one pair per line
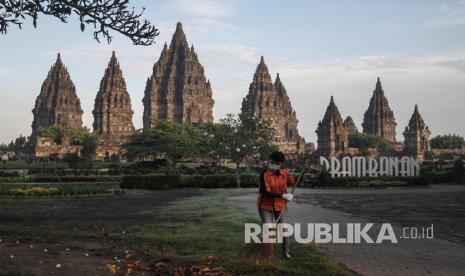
441, 177
159, 182
383, 181
78, 178
60, 189
34, 191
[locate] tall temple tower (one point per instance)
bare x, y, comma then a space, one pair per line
178, 89
57, 102
333, 136
379, 118
112, 110
416, 136
269, 101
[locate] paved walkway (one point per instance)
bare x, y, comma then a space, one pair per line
408, 257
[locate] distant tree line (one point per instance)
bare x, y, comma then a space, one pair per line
57, 133
449, 141
364, 141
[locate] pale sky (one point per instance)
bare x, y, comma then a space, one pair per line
320, 48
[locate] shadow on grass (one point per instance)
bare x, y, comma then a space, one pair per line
160, 231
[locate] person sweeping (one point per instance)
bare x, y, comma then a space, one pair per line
273, 195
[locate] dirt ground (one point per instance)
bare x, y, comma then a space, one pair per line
78, 236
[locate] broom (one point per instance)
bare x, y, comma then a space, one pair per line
264, 253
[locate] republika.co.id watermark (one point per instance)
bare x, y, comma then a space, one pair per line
348, 233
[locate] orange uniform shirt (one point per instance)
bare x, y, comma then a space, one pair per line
274, 186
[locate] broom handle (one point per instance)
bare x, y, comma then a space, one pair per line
292, 192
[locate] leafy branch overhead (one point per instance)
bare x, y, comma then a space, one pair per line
102, 15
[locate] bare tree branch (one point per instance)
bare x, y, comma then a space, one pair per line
102, 15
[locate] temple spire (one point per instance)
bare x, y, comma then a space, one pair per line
112, 110
416, 136
179, 38
179, 27
57, 102
379, 118
178, 89
331, 131
261, 73
269, 101
378, 85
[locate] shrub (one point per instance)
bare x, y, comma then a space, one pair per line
84, 189
157, 182
364, 141
62, 189
324, 180
19, 179
34, 191
450, 141
149, 182
80, 178
207, 181
249, 179
440, 177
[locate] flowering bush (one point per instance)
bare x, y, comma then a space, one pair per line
34, 191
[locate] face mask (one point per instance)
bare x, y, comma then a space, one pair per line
273, 167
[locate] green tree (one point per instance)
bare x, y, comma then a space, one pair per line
89, 147
211, 142
266, 150
243, 137
19, 146
364, 141
449, 141
73, 160
58, 132
3, 147
11, 146
170, 140
85, 158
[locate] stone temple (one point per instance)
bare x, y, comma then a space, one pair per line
112, 111
379, 118
350, 125
269, 102
417, 133
178, 89
57, 102
333, 136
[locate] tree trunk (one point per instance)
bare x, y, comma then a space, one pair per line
170, 164
238, 175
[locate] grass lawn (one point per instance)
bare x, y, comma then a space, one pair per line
142, 232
